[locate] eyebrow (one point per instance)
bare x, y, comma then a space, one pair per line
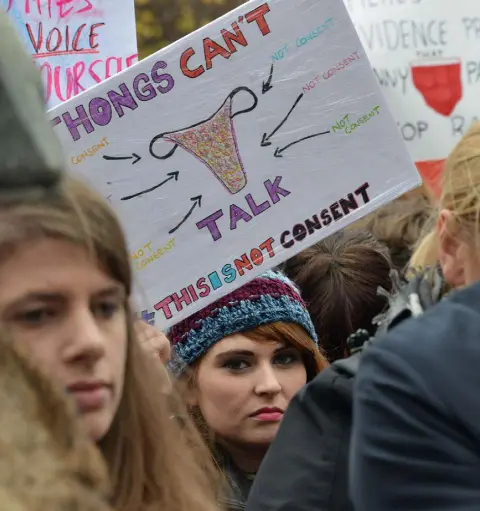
115, 290
247, 353
58, 297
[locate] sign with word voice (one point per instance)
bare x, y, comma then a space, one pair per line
75, 43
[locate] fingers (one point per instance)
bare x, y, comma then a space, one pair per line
152, 340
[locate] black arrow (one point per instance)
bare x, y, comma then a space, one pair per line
266, 86
134, 157
172, 175
265, 139
278, 152
197, 201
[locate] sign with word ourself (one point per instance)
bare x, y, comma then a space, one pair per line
75, 43
425, 54
236, 148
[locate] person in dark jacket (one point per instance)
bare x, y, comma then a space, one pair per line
416, 440
416, 434
306, 467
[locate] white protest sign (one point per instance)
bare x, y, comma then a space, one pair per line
75, 43
425, 55
237, 147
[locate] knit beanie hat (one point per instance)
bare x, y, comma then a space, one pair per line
269, 298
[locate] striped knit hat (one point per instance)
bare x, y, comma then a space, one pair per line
267, 299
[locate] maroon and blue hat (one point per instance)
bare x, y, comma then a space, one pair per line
269, 298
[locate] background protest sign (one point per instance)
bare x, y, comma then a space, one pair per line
425, 55
76, 43
237, 147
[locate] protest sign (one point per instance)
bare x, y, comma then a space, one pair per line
75, 43
237, 147
425, 55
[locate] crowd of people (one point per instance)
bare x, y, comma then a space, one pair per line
343, 380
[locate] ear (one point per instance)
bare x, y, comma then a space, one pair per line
451, 250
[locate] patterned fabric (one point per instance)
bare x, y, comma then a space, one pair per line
267, 299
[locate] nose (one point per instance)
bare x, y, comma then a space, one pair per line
268, 382
86, 340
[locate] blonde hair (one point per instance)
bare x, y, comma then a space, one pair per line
399, 225
460, 195
42, 442
149, 458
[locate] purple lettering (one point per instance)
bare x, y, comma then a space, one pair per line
256, 208
145, 93
211, 223
274, 189
236, 214
82, 119
100, 111
165, 77
122, 100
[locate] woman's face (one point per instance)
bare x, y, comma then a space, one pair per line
70, 316
243, 387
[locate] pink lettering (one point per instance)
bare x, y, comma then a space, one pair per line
88, 7
108, 74
61, 4
57, 81
92, 72
78, 70
27, 6
132, 59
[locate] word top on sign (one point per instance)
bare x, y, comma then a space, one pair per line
236, 148
75, 43
425, 57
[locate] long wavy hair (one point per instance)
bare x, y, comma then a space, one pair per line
151, 461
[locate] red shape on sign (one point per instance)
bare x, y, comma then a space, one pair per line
431, 172
440, 83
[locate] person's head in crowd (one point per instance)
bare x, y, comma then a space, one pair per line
399, 225
244, 357
454, 240
339, 278
65, 283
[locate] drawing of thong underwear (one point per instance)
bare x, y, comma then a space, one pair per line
214, 143
440, 83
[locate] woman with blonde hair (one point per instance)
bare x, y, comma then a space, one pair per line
415, 442
244, 357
